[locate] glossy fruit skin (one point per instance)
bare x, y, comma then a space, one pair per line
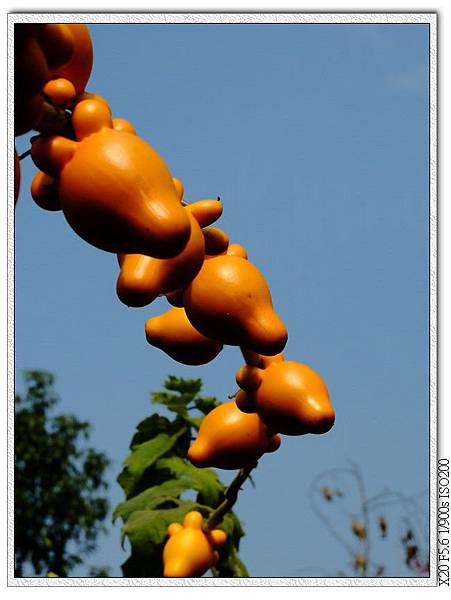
179, 187
38, 49
288, 396
216, 241
206, 212
57, 43
78, 68
230, 301
120, 124
237, 250
60, 91
189, 551
175, 298
116, 192
174, 334
231, 439
44, 191
31, 71
44, 188
143, 278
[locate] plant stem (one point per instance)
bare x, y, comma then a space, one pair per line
230, 497
252, 358
25, 154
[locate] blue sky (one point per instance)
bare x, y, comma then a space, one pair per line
316, 139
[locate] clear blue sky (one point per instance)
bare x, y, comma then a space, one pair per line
316, 139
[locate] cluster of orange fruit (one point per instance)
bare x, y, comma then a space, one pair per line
117, 194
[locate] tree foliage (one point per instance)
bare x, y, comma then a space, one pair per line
58, 483
161, 485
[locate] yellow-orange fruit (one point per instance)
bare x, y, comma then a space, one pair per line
231, 439
206, 212
115, 190
216, 241
174, 334
60, 91
229, 300
28, 111
189, 551
120, 124
288, 396
180, 189
57, 43
44, 191
143, 278
249, 377
237, 250
30, 75
37, 49
78, 68
175, 298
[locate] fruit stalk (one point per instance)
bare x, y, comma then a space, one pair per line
251, 358
230, 497
54, 119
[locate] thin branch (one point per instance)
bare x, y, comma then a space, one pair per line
25, 154
365, 512
230, 497
340, 539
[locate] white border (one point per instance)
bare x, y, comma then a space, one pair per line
224, 17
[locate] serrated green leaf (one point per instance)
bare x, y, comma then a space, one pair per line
144, 456
184, 386
232, 526
153, 485
150, 427
204, 481
145, 528
206, 404
176, 404
230, 564
151, 498
126, 481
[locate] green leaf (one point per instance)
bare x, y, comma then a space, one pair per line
184, 386
177, 404
232, 526
147, 527
206, 404
150, 427
157, 473
204, 481
195, 422
144, 456
238, 567
151, 498
229, 564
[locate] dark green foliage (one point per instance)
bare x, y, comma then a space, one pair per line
157, 478
58, 483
